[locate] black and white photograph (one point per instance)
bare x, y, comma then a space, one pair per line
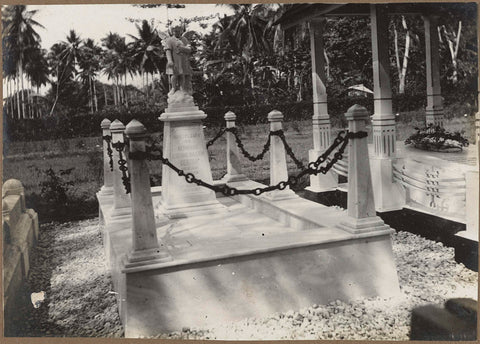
257, 171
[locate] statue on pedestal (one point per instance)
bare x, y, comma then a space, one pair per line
178, 69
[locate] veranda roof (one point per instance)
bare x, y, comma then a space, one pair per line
298, 13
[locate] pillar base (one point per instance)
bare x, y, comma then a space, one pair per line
121, 214
388, 195
280, 195
188, 210
367, 224
146, 257
231, 178
106, 191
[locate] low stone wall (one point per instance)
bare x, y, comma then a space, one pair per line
20, 234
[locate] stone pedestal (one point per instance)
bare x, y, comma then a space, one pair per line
107, 188
278, 160
121, 200
360, 205
145, 246
234, 165
184, 146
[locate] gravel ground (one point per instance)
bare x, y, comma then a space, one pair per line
69, 265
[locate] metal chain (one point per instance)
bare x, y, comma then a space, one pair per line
266, 147
219, 134
313, 167
122, 165
289, 150
108, 139
240, 145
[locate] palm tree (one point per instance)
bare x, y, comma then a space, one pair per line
146, 51
89, 63
118, 63
37, 71
64, 57
20, 36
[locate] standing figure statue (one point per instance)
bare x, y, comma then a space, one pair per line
179, 71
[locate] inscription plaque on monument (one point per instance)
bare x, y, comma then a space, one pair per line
184, 146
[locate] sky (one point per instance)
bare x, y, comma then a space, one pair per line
96, 21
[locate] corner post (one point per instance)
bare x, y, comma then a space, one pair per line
278, 160
361, 207
121, 200
434, 109
321, 119
145, 245
107, 188
234, 165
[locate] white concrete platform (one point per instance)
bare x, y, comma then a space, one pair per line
257, 258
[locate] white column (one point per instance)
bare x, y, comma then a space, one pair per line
360, 204
107, 188
234, 165
278, 159
121, 200
145, 246
388, 195
434, 109
321, 119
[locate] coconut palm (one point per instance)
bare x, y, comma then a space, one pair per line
64, 57
37, 71
147, 52
89, 63
19, 37
117, 64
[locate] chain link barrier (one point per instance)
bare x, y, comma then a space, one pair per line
219, 135
266, 146
122, 165
108, 140
154, 152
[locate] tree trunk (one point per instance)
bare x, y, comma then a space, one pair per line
147, 89
90, 100
327, 64
125, 90
36, 103
153, 88
143, 84
403, 74
56, 92
23, 93
95, 95
105, 95
114, 92
30, 99
397, 52
9, 97
17, 84
7, 102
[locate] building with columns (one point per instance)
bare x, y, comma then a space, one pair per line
388, 193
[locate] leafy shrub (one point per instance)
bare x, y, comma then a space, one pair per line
55, 187
436, 138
